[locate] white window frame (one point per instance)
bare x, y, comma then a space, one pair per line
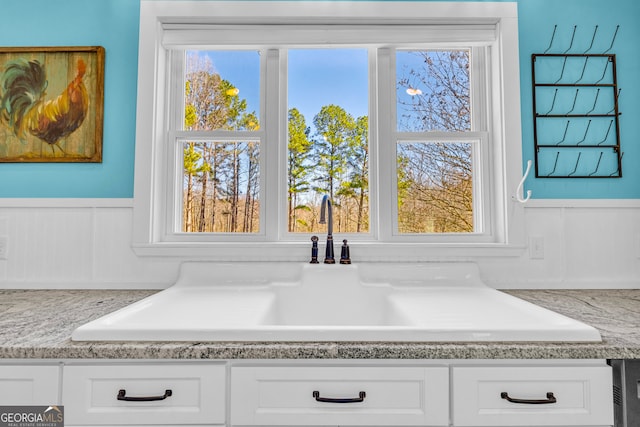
167, 24
485, 223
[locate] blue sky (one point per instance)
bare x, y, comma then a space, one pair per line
317, 77
323, 76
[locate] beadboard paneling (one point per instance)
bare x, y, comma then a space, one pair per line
83, 246
587, 244
87, 244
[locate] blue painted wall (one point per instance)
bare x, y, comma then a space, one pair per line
114, 25
537, 19
109, 23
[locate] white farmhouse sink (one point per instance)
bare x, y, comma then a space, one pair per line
429, 302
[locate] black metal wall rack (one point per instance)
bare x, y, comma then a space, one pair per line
575, 113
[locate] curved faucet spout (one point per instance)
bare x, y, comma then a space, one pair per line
323, 217
327, 206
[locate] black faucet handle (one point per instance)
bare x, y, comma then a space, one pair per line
314, 250
345, 257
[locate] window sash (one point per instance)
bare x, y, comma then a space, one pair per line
482, 151
481, 196
172, 215
174, 204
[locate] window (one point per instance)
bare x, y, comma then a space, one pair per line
401, 113
439, 141
328, 138
220, 142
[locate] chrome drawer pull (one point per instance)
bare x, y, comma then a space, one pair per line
316, 395
122, 396
550, 399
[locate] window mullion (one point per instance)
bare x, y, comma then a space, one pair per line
375, 198
270, 183
478, 77
482, 189
386, 118
173, 152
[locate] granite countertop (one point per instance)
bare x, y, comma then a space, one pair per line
37, 324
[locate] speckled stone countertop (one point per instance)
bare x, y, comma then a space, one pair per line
37, 324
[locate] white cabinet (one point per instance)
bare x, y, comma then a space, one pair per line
532, 396
340, 395
239, 393
29, 385
152, 393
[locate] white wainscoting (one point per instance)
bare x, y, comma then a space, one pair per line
86, 243
587, 244
75, 243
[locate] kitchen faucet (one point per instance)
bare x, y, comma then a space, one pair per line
327, 205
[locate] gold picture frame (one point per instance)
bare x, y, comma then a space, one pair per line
51, 104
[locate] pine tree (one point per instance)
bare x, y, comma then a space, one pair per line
298, 166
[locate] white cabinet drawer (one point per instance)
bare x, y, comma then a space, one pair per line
307, 396
583, 396
29, 385
196, 396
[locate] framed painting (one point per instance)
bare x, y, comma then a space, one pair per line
51, 104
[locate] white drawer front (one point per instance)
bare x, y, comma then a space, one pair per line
29, 385
197, 394
583, 396
392, 396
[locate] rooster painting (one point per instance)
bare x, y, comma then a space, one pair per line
31, 115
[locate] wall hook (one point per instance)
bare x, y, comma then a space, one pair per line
573, 107
586, 131
520, 190
555, 164
594, 103
592, 39
576, 167
553, 102
555, 27
613, 39
564, 65
566, 128
597, 165
604, 72
584, 67
573, 36
615, 102
607, 134
617, 171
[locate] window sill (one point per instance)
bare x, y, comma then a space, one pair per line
299, 251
